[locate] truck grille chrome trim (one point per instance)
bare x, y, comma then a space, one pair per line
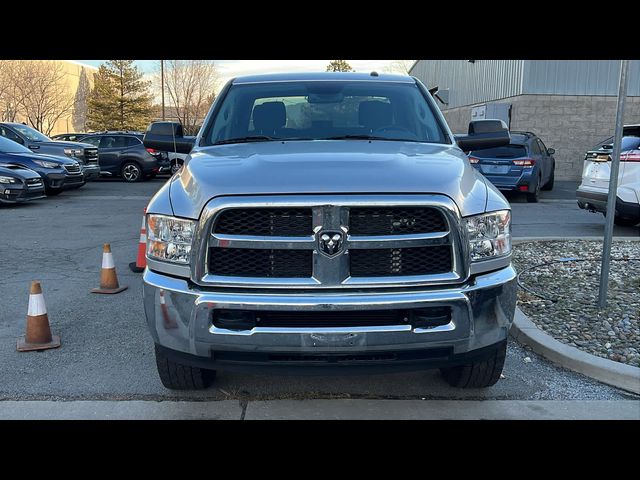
422, 230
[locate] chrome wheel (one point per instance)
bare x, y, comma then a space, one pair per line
131, 172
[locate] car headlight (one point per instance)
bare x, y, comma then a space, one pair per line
45, 164
169, 238
72, 152
7, 179
489, 235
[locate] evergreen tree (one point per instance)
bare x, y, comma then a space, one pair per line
120, 99
339, 66
79, 118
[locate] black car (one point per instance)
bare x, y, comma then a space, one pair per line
123, 154
19, 184
525, 165
85, 154
58, 173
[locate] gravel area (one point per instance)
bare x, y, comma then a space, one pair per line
561, 297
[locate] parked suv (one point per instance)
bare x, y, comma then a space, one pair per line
58, 173
86, 155
525, 165
593, 191
123, 154
328, 221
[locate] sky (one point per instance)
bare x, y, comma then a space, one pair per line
233, 68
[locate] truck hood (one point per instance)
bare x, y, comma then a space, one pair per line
326, 166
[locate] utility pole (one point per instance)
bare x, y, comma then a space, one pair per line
162, 82
613, 185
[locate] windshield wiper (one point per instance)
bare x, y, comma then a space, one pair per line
367, 137
252, 138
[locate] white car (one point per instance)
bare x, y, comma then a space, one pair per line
594, 189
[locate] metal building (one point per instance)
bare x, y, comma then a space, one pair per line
570, 104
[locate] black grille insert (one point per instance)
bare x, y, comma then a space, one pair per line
278, 222
395, 221
407, 356
247, 262
427, 317
390, 262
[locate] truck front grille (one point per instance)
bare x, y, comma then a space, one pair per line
271, 222
243, 262
395, 221
400, 261
91, 156
331, 241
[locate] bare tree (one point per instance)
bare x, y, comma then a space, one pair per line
10, 94
400, 66
44, 95
190, 85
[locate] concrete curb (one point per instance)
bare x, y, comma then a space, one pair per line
606, 371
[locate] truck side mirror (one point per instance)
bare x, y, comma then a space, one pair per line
167, 137
484, 134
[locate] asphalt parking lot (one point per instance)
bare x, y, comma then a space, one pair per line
107, 352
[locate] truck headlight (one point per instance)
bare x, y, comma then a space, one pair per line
169, 238
489, 235
7, 179
72, 152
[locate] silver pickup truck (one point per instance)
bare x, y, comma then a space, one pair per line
328, 222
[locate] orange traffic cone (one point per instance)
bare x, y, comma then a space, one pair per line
167, 320
141, 261
108, 277
38, 333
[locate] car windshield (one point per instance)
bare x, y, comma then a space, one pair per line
31, 133
508, 151
331, 110
9, 146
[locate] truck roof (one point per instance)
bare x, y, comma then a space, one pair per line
322, 76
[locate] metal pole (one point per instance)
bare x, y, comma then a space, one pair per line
162, 82
613, 185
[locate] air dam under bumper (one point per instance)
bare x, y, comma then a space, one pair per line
180, 320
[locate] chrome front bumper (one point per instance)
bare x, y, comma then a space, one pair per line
179, 318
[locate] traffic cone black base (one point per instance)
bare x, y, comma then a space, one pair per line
134, 267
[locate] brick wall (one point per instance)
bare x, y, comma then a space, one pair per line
571, 124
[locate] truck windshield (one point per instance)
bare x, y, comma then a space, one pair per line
331, 110
31, 134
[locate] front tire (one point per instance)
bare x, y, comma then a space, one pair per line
131, 172
479, 374
176, 376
